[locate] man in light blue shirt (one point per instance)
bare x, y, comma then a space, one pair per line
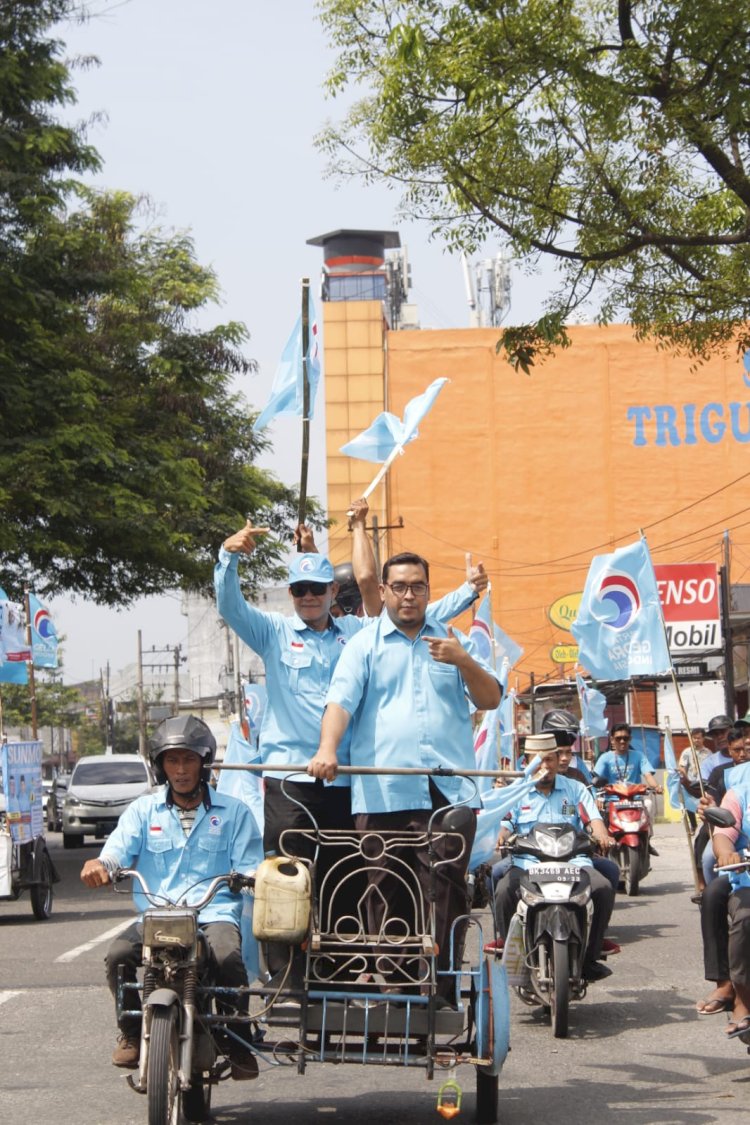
405, 684
180, 837
622, 766
553, 800
718, 730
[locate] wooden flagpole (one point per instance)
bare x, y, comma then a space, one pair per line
302, 509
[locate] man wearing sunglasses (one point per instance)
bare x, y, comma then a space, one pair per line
622, 766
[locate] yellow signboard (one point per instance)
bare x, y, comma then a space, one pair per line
564, 654
564, 611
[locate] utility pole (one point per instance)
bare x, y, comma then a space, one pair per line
376, 530
176, 704
726, 595
141, 704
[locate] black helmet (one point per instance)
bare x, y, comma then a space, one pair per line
184, 732
348, 597
719, 722
563, 724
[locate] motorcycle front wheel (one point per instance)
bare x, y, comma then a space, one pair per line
163, 1068
559, 992
633, 872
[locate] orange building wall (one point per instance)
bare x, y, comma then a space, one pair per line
354, 332
535, 474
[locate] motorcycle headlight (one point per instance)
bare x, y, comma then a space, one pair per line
71, 802
554, 845
167, 930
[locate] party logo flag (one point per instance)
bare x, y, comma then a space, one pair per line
619, 627
287, 396
388, 433
483, 632
43, 635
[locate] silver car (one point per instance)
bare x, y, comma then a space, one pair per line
101, 788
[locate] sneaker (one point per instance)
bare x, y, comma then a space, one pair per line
652, 850
244, 1062
128, 1050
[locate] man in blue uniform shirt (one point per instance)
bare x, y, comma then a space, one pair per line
623, 766
553, 800
178, 836
405, 684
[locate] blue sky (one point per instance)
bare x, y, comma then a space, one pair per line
210, 110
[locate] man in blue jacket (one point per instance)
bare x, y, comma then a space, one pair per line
178, 836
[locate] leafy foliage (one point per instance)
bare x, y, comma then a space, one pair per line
610, 136
125, 458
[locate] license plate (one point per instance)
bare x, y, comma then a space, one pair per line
555, 874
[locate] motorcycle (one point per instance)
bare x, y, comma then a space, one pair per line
183, 1032
628, 821
552, 920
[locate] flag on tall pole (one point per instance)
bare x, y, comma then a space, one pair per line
385, 438
619, 627
287, 390
43, 634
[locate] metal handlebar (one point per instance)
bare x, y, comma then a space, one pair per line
234, 880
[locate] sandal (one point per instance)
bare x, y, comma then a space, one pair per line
741, 1027
712, 1005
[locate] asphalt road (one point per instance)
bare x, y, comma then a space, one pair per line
637, 1053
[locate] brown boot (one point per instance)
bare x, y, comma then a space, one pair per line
128, 1050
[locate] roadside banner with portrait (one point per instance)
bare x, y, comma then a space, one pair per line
22, 789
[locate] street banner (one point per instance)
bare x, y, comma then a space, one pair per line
22, 789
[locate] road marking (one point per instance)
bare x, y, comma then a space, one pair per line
7, 995
87, 945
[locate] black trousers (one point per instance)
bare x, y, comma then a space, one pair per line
739, 936
223, 939
715, 928
330, 806
508, 892
389, 901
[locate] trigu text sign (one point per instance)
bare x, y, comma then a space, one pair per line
689, 596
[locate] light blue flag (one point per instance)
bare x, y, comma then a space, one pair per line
286, 390
495, 804
481, 633
593, 705
43, 635
14, 652
619, 627
14, 672
388, 433
678, 795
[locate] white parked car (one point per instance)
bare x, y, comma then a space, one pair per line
101, 788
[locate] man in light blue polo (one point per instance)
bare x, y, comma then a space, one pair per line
555, 799
405, 684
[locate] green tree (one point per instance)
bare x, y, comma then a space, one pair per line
611, 137
125, 457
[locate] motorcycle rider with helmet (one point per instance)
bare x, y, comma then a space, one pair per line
181, 834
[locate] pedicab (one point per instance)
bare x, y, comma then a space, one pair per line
349, 995
25, 863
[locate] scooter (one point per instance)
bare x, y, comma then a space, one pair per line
628, 822
552, 920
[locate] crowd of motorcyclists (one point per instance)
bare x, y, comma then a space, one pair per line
371, 673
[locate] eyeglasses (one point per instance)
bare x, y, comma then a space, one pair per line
621, 738
418, 589
299, 589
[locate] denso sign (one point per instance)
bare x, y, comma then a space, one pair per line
690, 602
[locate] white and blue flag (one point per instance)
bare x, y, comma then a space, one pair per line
619, 628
